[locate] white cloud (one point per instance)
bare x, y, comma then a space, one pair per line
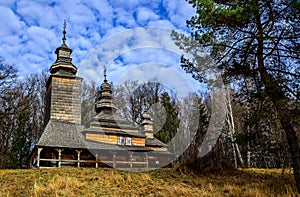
126, 4
144, 15
124, 18
139, 54
168, 76
9, 23
103, 8
33, 30
162, 23
179, 11
8, 3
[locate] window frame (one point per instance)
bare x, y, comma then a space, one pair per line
121, 140
128, 141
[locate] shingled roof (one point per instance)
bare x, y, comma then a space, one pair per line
61, 134
111, 119
154, 142
69, 135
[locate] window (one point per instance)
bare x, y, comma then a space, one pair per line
124, 141
120, 140
128, 141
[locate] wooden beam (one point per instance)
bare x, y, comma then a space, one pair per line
125, 162
130, 158
147, 160
114, 159
78, 158
38, 157
96, 160
59, 157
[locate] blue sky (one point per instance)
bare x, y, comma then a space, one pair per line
131, 37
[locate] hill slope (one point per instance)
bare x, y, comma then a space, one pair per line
163, 182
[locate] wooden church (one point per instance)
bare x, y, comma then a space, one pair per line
107, 141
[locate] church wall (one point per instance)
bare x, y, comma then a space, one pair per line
113, 139
138, 141
66, 99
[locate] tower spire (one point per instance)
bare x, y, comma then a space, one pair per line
64, 32
104, 101
63, 63
104, 72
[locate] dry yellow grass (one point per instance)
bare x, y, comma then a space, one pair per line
163, 182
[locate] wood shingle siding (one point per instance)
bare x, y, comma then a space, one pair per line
65, 99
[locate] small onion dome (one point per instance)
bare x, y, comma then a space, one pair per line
146, 119
147, 126
105, 86
146, 116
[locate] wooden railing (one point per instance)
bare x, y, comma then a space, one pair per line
69, 161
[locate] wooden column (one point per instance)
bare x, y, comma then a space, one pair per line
130, 158
38, 157
114, 159
78, 158
59, 157
147, 161
96, 160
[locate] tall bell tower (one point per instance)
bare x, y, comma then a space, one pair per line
63, 99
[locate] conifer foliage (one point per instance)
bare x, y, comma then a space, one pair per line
255, 44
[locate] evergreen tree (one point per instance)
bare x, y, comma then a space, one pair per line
255, 41
170, 127
21, 142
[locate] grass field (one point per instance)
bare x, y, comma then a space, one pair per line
163, 182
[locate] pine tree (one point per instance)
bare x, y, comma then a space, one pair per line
256, 41
170, 127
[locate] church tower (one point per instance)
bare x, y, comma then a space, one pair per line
63, 99
107, 140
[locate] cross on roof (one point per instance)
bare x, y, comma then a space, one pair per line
105, 73
64, 32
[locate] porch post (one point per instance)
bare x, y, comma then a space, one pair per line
38, 157
97, 160
147, 162
78, 158
114, 159
59, 157
130, 157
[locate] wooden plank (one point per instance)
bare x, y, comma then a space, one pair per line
115, 129
49, 160
158, 149
111, 139
93, 161
138, 141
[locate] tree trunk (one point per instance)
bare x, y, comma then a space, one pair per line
248, 155
280, 102
236, 150
281, 105
248, 143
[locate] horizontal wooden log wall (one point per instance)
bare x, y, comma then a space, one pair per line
113, 139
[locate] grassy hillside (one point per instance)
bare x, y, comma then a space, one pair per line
163, 182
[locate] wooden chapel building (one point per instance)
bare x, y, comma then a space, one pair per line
108, 140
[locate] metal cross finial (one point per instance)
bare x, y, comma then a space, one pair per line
104, 73
64, 32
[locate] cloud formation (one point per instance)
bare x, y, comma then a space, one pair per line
32, 30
